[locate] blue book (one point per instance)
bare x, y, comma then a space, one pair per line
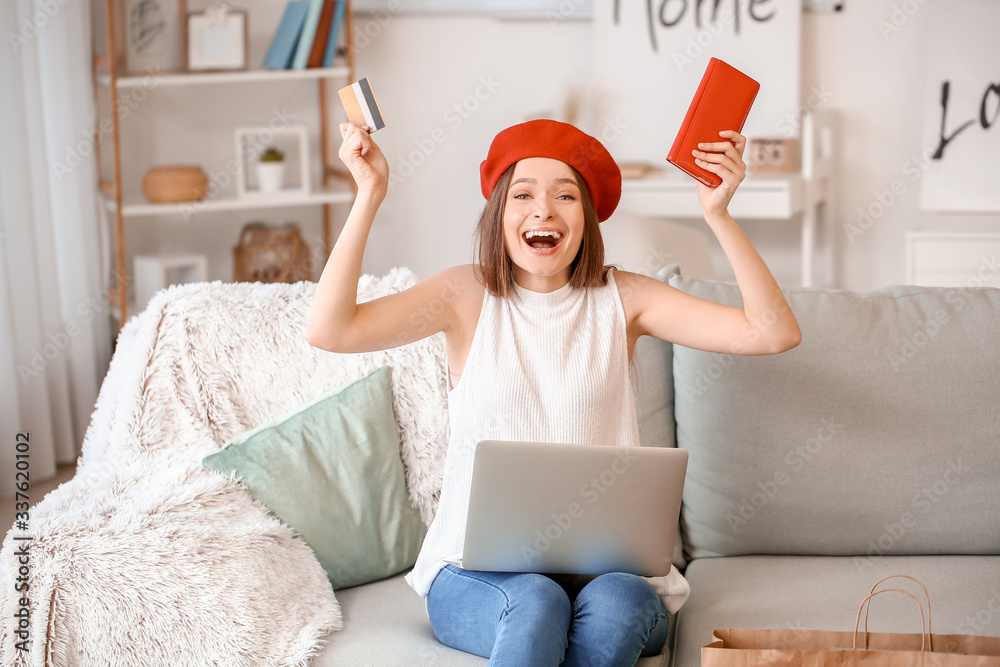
279, 55
301, 57
334, 37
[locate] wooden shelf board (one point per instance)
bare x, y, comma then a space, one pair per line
135, 206
154, 80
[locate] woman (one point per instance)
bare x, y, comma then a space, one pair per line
539, 335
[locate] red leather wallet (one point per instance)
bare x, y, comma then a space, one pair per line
722, 102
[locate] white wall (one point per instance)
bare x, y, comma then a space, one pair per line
447, 84
875, 74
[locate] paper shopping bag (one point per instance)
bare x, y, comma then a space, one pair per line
820, 648
826, 648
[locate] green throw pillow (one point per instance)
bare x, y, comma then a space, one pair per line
331, 470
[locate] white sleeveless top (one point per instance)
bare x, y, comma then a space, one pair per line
526, 352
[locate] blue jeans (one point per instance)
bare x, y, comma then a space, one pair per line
530, 619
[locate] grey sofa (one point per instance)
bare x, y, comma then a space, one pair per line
872, 448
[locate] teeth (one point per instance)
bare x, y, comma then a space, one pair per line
532, 234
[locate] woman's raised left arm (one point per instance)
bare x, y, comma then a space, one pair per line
764, 325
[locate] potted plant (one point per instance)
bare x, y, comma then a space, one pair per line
271, 170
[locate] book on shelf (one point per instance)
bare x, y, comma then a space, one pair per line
322, 33
286, 38
334, 37
309, 29
302, 49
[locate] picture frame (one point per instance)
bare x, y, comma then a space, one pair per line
157, 271
252, 142
153, 35
216, 40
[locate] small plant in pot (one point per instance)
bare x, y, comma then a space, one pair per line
271, 170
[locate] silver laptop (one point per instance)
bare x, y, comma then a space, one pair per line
577, 509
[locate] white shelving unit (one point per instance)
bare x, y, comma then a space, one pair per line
953, 259
330, 186
807, 194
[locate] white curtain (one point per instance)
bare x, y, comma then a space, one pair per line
54, 304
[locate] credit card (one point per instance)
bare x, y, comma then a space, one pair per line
360, 104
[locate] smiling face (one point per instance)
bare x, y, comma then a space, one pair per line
543, 223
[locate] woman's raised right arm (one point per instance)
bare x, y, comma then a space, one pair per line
337, 322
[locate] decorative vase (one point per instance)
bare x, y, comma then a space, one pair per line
271, 176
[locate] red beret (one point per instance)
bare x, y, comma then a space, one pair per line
559, 141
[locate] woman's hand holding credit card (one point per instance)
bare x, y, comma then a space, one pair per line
359, 152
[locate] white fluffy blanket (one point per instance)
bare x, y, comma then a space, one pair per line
145, 557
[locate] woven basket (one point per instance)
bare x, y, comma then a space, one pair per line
175, 183
271, 255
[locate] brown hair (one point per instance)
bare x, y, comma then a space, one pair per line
495, 268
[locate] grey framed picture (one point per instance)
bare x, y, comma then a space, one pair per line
153, 35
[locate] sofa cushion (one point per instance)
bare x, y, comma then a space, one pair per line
817, 593
331, 470
652, 384
653, 391
879, 434
386, 624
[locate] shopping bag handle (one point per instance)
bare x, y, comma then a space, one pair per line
930, 636
867, 600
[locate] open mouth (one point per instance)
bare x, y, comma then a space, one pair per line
542, 239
